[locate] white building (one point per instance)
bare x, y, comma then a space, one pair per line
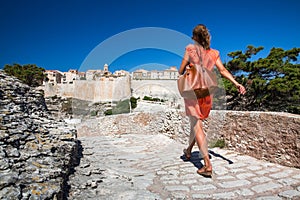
70, 76
121, 73
53, 77
171, 73
93, 74
168, 74
98, 73
141, 74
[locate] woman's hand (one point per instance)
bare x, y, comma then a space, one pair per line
241, 88
225, 73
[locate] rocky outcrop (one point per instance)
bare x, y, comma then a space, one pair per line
37, 150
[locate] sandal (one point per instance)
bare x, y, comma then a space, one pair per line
205, 172
186, 154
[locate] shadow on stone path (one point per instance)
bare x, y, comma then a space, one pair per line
196, 159
141, 166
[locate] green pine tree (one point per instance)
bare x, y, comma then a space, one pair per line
29, 74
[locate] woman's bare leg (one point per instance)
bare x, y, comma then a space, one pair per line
190, 147
192, 139
202, 142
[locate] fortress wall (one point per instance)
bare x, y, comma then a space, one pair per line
111, 88
66, 90
123, 87
155, 88
49, 90
84, 90
106, 89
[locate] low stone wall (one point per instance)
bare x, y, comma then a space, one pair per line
269, 136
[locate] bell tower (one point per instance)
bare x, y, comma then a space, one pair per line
105, 68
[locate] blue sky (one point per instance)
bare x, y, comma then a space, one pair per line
61, 34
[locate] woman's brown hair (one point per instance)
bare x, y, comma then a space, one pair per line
202, 36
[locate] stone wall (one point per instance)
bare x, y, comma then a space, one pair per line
155, 88
274, 137
37, 150
106, 89
270, 136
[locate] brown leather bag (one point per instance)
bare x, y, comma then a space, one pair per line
197, 81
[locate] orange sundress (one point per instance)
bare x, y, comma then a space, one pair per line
200, 108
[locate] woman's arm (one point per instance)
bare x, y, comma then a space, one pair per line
183, 64
226, 74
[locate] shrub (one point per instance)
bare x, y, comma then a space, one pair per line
94, 113
133, 102
108, 112
146, 98
218, 143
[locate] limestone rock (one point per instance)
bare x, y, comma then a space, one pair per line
37, 149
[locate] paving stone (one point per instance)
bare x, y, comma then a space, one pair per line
235, 183
273, 169
224, 195
289, 181
238, 170
279, 175
237, 165
262, 179
188, 176
246, 159
161, 172
171, 168
201, 196
177, 188
244, 192
168, 177
187, 170
297, 176
203, 187
262, 172
226, 177
188, 182
171, 182
174, 172
266, 187
290, 194
179, 196
221, 172
255, 168
269, 198
203, 180
245, 175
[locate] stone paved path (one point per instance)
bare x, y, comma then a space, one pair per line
141, 166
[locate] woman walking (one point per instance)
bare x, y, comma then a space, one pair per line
199, 109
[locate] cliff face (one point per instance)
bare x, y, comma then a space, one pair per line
37, 150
